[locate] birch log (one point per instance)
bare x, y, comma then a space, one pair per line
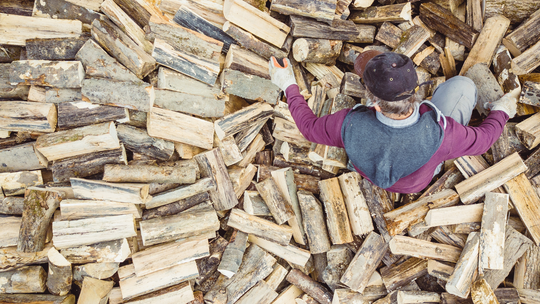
138, 140
26, 116
59, 74
492, 235
15, 183
111, 251
100, 190
138, 96
359, 216
28, 279
336, 213
257, 226
72, 209
181, 172
403, 245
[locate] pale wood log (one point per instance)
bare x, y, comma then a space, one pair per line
192, 89
121, 47
288, 295
314, 224
486, 83
316, 50
135, 96
301, 169
174, 126
378, 204
111, 251
310, 28
98, 63
319, 10
439, 270
406, 297
306, 299
284, 179
342, 296
247, 62
276, 277
190, 223
348, 55
527, 269
11, 226
177, 294
39, 207
302, 181
416, 37
189, 18
491, 235
389, 34
28, 279
120, 192
19, 158
359, 216
292, 254
378, 14
141, 11
516, 12
211, 164
365, 262
78, 209
244, 138
527, 131
260, 293
68, 233
250, 42
256, 146
288, 131
95, 291
401, 218
60, 274
126, 24
460, 281
7, 90
241, 178
12, 205
17, 29
529, 296
523, 36
199, 104
249, 86
138, 140
180, 172
309, 286
475, 187
515, 245
14, 259
487, 42
65, 10
338, 258
399, 276
242, 119
403, 245
208, 266
337, 220
335, 156
187, 151
445, 235
232, 256
527, 61
481, 292
94, 270
320, 71
24, 116
454, 215
259, 24
254, 204
280, 208
175, 207
259, 227
41, 298
443, 21
83, 140
80, 113
15, 183
526, 202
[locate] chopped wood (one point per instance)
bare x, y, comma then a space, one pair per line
72, 209
399, 276
337, 219
111, 251
232, 256
378, 14
100, 190
309, 286
60, 274
526, 201
251, 224
491, 235
454, 215
135, 96
252, 43
54, 9
403, 245
523, 36
139, 141
28, 279
11, 226
21, 116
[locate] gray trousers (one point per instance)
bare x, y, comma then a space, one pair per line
456, 98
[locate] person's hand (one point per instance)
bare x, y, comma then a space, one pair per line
282, 76
507, 104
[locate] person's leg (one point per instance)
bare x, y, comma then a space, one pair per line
456, 98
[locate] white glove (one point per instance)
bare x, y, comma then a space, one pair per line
282, 76
507, 104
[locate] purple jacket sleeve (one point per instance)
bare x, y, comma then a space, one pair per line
324, 130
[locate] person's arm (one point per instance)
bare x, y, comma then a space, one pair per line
322, 130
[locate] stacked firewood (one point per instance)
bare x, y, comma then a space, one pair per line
146, 157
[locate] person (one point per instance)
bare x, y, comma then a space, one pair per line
398, 142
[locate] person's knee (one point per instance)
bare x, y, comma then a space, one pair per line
463, 84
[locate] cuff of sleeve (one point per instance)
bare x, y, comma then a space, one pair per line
505, 115
291, 90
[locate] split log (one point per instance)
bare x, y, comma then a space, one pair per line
78, 114
389, 34
526, 201
232, 256
249, 86
60, 274
20, 158
366, 33
241, 178
174, 126
65, 10
491, 235
416, 36
316, 50
522, 37
98, 63
443, 21
69, 233
288, 295
256, 22
352, 86
98, 271
190, 19
181, 193
307, 27
13, 259
398, 276
401, 218
527, 61
302, 169
180, 172
208, 266
83, 140
288, 131
461, 279
378, 204
529, 296
24, 116
454, 215
250, 42
175, 207
17, 29
291, 254
78, 209
39, 207
16, 183
481, 292
141, 11
515, 245
126, 24
244, 139
199, 104
28, 279
190, 223
254, 204
100, 190
168, 255
211, 164
314, 223
41, 298
187, 151
487, 42
404, 297
10, 226
378, 14
476, 186
335, 156
403, 245
364, 263
319, 10
243, 119
280, 208
516, 11
527, 132
349, 53
9, 91
54, 48
111, 251
445, 235
138, 140
527, 269
259, 227
439, 270
359, 216
121, 47
529, 93
256, 146
339, 257
276, 277
247, 62
12, 205
337, 219
502, 64
135, 96
260, 293
309, 286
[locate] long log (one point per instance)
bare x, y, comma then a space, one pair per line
24, 116
54, 9
12, 205
41, 298
72, 209
80, 113
309, 28
403, 245
100, 190
249, 86
399, 276
517, 11
232, 256
252, 43
175, 207
141, 11
177, 194
135, 96
314, 223
310, 286
54, 48
319, 10
111, 251
527, 269
337, 219
257, 226
242, 119
378, 14
180, 172
245, 61
138, 140
522, 37
491, 235
20, 158
461, 279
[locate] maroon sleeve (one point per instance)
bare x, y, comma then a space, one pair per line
475, 140
324, 130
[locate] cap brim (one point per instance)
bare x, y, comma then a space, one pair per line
362, 60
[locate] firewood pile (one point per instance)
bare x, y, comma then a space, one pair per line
146, 157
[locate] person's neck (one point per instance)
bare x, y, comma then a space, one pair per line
398, 116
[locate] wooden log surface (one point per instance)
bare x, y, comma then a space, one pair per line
54, 48
309, 286
27, 116
309, 28
251, 224
60, 274
100, 190
138, 140
28, 279
111, 251
66, 10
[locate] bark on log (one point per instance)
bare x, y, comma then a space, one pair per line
252, 43
141, 11
54, 48
247, 62
309, 286
339, 257
40, 298
138, 140
17, 182
516, 11
461, 279
208, 266
111, 251
25, 116
54, 9
527, 61
491, 235
403, 245
527, 270
176, 207
398, 276
276, 202
11, 226
257, 226
60, 274
100, 190
378, 14
201, 104
358, 211
232, 256
78, 209
7, 90
180, 172
413, 39
78, 114
319, 10
28, 279
243, 119
314, 223
309, 28
135, 96
249, 86
12, 205
20, 158
525, 35
337, 219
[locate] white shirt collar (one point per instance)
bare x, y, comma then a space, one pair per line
415, 116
